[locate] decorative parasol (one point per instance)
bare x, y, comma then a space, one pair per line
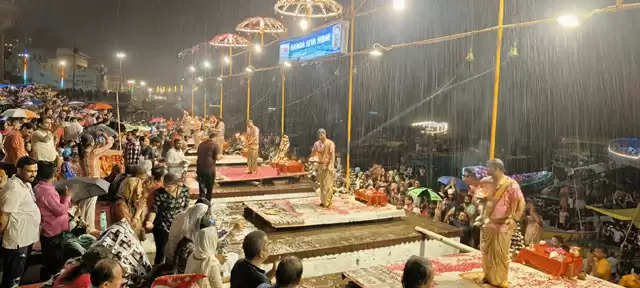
309, 8
261, 25
229, 40
99, 106
232, 41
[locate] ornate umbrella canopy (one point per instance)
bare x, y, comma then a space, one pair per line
229, 40
309, 8
261, 25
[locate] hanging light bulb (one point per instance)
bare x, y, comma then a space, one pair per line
470, 57
513, 52
304, 24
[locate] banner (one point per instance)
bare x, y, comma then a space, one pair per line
324, 42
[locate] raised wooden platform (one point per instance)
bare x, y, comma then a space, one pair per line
460, 271
227, 160
235, 174
243, 189
343, 238
305, 212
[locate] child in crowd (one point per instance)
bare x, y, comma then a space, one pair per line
67, 171
408, 204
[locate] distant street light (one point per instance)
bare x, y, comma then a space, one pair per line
219, 78
120, 56
399, 5
287, 64
142, 83
192, 69
200, 79
62, 64
227, 59
258, 48
206, 64
569, 21
149, 90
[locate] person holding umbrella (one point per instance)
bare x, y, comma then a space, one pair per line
54, 207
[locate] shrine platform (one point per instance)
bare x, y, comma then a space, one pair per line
462, 270
227, 160
307, 212
261, 189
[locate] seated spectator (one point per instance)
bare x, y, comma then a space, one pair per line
78, 275
288, 274
121, 239
203, 260
246, 272
600, 266
107, 274
556, 242
417, 273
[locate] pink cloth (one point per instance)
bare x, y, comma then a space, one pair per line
510, 205
53, 209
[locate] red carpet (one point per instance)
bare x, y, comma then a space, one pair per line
240, 173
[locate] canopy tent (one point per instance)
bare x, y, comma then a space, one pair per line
632, 214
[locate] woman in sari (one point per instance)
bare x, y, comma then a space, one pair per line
204, 260
133, 195
533, 231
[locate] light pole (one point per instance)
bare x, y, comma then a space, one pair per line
192, 69
207, 66
120, 56
283, 78
62, 63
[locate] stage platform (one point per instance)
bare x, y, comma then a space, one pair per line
239, 174
459, 270
306, 212
227, 160
244, 191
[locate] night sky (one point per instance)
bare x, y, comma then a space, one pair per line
152, 32
579, 82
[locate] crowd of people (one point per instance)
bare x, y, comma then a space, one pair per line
147, 194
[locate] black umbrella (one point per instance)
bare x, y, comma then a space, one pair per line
101, 128
84, 187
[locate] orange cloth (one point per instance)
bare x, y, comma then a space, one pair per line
541, 261
630, 281
14, 147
